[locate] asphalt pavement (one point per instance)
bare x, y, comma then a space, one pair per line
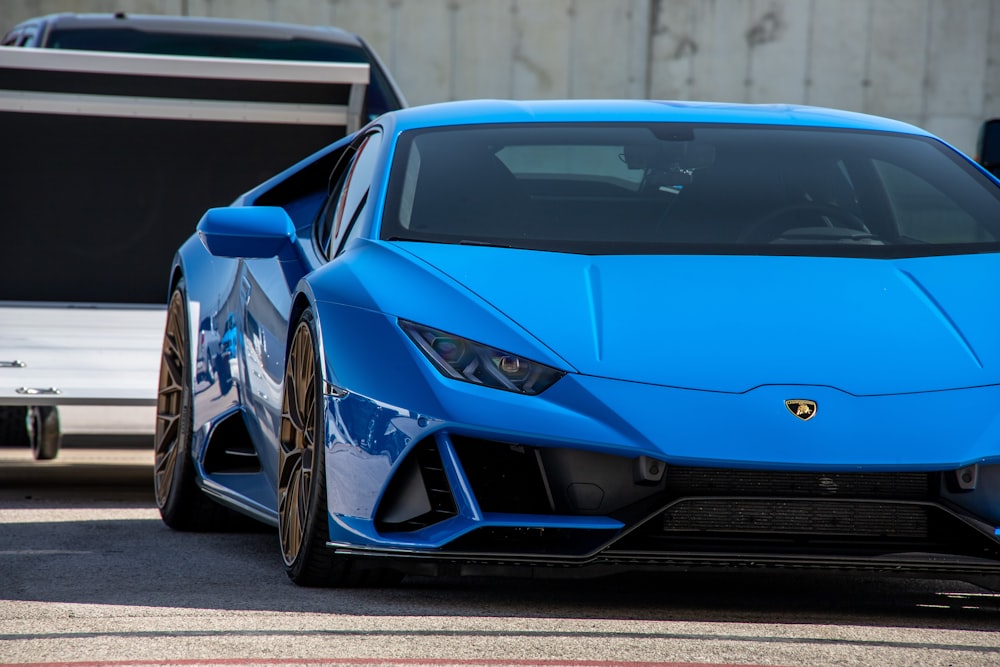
89, 575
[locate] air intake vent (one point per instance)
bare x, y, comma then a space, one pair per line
419, 494
230, 449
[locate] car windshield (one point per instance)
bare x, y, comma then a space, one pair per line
697, 189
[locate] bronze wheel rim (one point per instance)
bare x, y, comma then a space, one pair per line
297, 443
170, 400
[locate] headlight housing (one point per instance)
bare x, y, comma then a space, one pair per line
462, 359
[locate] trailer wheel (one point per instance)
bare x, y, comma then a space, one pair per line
43, 432
14, 426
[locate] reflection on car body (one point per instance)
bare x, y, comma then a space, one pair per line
621, 334
209, 352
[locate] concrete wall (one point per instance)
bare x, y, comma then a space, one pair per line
935, 63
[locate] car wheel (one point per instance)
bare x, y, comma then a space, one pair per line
14, 426
43, 432
182, 505
303, 528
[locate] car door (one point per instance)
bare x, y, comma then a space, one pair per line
266, 290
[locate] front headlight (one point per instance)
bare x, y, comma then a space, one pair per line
465, 360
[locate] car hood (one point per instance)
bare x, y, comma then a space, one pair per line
733, 323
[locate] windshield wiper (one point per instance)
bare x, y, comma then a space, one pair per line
487, 244
406, 239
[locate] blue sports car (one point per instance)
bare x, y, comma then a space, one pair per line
522, 336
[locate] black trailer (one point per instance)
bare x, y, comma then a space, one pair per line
109, 159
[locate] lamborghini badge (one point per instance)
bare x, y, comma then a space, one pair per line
802, 408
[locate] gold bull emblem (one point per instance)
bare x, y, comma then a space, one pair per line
803, 408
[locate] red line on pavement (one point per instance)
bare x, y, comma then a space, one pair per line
365, 662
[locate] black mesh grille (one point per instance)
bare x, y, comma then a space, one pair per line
683, 482
813, 517
436, 483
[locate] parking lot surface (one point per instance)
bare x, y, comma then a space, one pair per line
89, 575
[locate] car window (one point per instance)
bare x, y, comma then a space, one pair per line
349, 193
325, 220
132, 40
615, 188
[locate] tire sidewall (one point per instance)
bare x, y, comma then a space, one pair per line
182, 481
43, 431
316, 531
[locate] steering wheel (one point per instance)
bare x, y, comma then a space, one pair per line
771, 225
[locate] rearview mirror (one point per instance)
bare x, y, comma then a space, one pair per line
251, 232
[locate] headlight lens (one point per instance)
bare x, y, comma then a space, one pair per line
465, 360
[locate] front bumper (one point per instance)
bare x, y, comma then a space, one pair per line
453, 493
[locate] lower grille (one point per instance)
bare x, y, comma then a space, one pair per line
790, 517
683, 481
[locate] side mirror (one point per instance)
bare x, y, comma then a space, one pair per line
251, 232
988, 146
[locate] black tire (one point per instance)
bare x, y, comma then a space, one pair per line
303, 531
14, 426
182, 504
43, 432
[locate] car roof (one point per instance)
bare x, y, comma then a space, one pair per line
194, 25
554, 111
